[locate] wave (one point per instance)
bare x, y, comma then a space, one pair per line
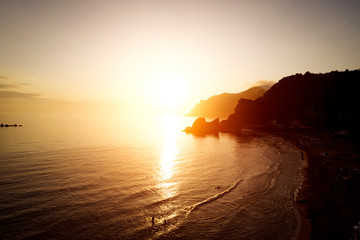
213, 198
161, 202
159, 229
268, 185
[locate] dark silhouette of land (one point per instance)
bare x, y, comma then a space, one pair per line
326, 102
320, 114
222, 105
329, 198
201, 127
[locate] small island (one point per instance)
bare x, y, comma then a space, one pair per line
10, 125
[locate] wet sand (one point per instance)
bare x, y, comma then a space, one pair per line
328, 201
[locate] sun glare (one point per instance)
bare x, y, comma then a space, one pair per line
169, 91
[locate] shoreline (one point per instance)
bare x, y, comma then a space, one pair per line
304, 229
301, 194
327, 201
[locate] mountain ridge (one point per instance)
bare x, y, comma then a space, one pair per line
222, 105
323, 101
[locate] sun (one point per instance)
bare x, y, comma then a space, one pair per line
169, 91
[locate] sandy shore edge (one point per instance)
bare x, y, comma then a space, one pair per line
327, 202
303, 231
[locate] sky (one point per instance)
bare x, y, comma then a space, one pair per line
161, 56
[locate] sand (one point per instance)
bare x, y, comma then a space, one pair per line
329, 200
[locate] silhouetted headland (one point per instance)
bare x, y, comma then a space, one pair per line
325, 102
201, 127
223, 105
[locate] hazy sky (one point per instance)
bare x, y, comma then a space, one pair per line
148, 55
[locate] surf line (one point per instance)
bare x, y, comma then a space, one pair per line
194, 207
213, 198
300, 225
244, 208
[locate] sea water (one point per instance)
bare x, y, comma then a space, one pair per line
135, 177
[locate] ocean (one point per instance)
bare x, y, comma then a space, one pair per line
69, 176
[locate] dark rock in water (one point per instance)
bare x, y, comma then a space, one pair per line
187, 130
201, 127
9, 125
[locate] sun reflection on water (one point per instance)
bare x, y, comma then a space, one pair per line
168, 157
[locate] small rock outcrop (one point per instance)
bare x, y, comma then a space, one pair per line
202, 127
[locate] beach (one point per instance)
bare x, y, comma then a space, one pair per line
329, 196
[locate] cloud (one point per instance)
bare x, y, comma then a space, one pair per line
13, 99
19, 95
3, 86
4, 77
32, 104
14, 94
266, 84
4, 82
6, 86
